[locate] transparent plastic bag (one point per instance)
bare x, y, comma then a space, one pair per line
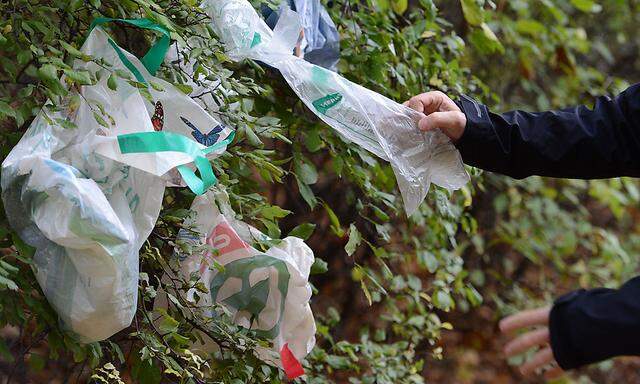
320, 40
268, 291
376, 123
87, 197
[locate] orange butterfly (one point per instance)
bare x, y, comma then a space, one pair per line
158, 117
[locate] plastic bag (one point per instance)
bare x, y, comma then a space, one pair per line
265, 291
87, 197
320, 42
376, 123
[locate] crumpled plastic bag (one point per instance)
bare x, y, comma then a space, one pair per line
268, 291
87, 197
320, 41
376, 123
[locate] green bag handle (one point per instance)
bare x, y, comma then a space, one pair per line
153, 58
145, 142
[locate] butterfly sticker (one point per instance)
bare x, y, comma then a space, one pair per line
158, 117
207, 139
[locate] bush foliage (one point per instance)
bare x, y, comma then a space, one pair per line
385, 286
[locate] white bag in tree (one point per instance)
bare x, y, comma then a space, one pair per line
268, 291
376, 123
87, 197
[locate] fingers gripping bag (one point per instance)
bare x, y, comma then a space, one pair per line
268, 291
85, 187
376, 123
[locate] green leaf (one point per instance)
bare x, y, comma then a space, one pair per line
382, 4
485, 40
428, 260
268, 121
65, 123
303, 231
6, 110
273, 212
251, 136
73, 51
48, 72
118, 352
489, 33
532, 27
442, 300
112, 83
355, 238
312, 141
8, 267
305, 170
335, 223
184, 88
473, 295
168, 324
273, 231
80, 77
145, 372
367, 294
472, 12
4, 282
24, 250
399, 6
587, 5
158, 87
319, 266
338, 362
306, 193
100, 119
24, 57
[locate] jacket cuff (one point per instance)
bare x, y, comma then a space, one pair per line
477, 129
565, 352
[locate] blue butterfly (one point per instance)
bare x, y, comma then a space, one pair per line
207, 139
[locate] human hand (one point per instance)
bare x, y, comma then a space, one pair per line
440, 112
538, 338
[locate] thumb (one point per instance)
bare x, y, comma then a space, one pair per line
451, 123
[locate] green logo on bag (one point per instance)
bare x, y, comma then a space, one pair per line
253, 298
257, 39
327, 102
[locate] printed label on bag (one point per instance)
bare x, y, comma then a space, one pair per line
327, 102
253, 299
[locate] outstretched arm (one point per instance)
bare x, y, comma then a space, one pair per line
575, 142
582, 327
588, 326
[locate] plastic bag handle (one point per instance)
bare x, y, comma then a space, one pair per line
145, 142
154, 56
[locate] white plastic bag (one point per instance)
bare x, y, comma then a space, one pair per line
265, 291
378, 124
86, 205
320, 42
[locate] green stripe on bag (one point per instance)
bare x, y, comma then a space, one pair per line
147, 142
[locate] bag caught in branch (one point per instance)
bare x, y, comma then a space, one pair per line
268, 291
85, 184
376, 123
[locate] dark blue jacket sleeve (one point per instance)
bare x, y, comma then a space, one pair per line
588, 326
578, 142
575, 142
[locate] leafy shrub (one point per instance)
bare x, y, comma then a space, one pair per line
385, 285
